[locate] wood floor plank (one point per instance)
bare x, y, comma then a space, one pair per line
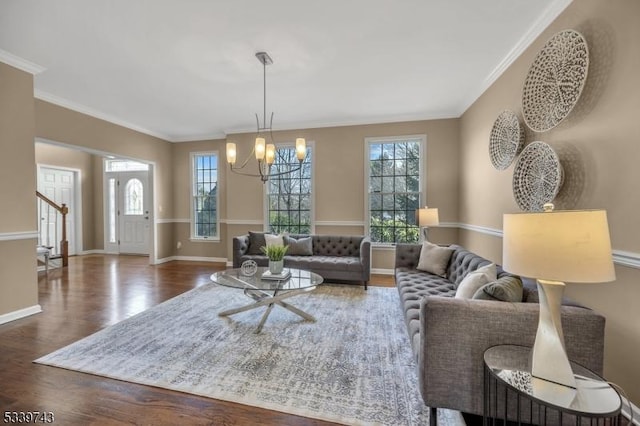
94, 292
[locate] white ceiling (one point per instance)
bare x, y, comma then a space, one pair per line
186, 70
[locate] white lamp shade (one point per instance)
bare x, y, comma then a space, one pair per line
260, 148
428, 217
270, 155
301, 149
231, 153
568, 246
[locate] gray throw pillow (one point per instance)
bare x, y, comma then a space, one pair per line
299, 247
256, 241
505, 289
434, 259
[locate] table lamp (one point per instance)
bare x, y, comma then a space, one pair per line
426, 217
556, 247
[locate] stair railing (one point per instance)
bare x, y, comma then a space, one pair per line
63, 210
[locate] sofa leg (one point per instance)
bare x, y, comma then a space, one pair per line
433, 416
365, 284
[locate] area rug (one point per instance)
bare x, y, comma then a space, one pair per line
352, 366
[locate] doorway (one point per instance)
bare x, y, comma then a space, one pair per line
60, 186
127, 207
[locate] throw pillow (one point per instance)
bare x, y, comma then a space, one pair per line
256, 241
273, 240
506, 289
469, 285
434, 259
299, 247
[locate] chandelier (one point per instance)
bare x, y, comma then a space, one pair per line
265, 153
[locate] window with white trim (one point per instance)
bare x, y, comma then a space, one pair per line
204, 195
289, 195
394, 181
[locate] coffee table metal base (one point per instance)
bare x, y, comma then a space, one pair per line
263, 298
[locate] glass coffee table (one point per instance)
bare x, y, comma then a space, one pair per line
268, 292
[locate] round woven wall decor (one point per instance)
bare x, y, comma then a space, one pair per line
555, 80
537, 176
506, 140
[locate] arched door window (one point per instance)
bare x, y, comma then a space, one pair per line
133, 197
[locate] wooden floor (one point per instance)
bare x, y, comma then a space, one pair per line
93, 292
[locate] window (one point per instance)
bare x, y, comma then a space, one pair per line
124, 166
204, 219
289, 195
394, 180
133, 197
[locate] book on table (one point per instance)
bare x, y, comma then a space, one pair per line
268, 275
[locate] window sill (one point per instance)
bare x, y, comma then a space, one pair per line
204, 240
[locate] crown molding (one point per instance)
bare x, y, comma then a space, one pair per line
20, 63
549, 15
83, 109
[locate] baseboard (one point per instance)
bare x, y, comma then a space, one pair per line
381, 271
192, 259
85, 252
21, 313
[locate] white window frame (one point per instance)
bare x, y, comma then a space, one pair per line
422, 139
192, 219
310, 145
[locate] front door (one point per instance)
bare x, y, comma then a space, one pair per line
133, 217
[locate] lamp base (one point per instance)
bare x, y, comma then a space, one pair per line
549, 359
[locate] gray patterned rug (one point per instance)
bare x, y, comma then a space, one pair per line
352, 366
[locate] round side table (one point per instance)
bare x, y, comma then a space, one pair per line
511, 392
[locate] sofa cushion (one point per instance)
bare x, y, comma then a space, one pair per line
506, 289
299, 247
476, 279
256, 242
320, 263
413, 286
434, 259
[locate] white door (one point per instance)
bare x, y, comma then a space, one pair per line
133, 217
58, 185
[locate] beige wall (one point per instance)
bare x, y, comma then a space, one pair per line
18, 280
599, 148
68, 127
84, 162
339, 204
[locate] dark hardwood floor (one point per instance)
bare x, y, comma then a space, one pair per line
93, 292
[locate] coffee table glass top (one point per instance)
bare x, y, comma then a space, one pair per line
299, 279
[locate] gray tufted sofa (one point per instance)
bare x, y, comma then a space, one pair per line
449, 336
335, 257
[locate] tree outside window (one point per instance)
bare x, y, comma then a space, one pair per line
205, 195
394, 189
289, 194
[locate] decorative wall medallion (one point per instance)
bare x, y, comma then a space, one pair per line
506, 140
537, 176
555, 80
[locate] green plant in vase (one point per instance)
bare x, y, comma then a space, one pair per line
275, 253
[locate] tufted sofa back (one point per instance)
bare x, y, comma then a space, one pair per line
337, 245
462, 262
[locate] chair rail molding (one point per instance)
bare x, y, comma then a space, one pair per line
620, 257
13, 236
